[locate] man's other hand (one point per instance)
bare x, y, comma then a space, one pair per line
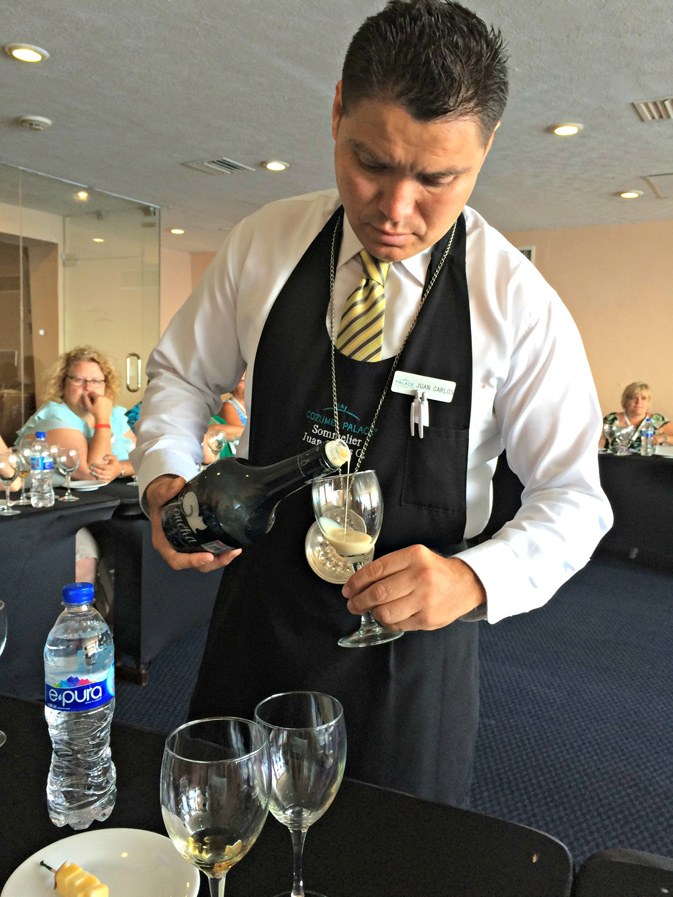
157, 494
414, 588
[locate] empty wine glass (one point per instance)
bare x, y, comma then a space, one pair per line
67, 462
24, 452
349, 513
9, 469
3, 639
215, 442
215, 781
307, 745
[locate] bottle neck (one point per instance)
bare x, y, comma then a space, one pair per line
285, 477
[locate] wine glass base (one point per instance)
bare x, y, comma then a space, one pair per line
68, 497
306, 893
3, 738
368, 635
22, 501
6, 511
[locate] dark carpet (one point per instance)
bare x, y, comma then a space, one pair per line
576, 713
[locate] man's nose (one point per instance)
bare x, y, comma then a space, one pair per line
398, 199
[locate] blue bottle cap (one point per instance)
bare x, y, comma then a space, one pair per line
40, 435
78, 593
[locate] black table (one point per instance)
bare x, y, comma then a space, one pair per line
640, 491
152, 604
370, 843
37, 558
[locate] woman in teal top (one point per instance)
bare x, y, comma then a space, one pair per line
80, 413
230, 422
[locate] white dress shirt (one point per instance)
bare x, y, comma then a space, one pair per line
532, 390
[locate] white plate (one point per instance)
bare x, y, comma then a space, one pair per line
86, 486
131, 862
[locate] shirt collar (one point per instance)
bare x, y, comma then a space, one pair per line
417, 265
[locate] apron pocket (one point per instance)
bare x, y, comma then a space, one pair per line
435, 473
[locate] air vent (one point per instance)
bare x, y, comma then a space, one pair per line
655, 110
219, 166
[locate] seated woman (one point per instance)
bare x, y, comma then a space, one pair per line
636, 400
80, 413
230, 420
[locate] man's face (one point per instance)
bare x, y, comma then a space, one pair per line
403, 182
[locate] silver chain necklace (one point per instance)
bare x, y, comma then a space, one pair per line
332, 275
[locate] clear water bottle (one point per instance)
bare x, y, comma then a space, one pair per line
41, 470
79, 703
647, 438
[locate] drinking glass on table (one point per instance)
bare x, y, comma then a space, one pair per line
3, 639
215, 442
67, 462
215, 780
9, 470
307, 745
349, 512
24, 451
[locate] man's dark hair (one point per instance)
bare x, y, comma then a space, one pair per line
435, 58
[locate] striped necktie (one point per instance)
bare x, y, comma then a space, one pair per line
361, 329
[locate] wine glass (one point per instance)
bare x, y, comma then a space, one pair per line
215, 442
307, 744
9, 468
24, 452
349, 514
67, 462
215, 781
3, 639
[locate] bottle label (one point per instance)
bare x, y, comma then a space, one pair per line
41, 463
75, 693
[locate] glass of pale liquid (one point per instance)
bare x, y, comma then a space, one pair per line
215, 782
349, 512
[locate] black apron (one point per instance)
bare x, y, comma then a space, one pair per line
411, 705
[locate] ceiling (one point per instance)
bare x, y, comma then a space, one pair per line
135, 88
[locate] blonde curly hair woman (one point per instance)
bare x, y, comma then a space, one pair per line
80, 412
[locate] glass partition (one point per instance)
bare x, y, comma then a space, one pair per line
77, 266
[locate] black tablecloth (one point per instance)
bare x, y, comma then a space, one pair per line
37, 558
370, 843
640, 491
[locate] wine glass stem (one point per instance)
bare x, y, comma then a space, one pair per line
216, 886
298, 838
67, 484
7, 492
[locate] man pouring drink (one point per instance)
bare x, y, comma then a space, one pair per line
351, 295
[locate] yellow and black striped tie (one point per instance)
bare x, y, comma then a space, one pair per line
361, 329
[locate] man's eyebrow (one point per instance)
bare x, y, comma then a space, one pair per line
365, 151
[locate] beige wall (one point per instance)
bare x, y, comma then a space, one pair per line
175, 280
200, 261
617, 281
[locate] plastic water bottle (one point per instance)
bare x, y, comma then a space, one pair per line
79, 704
41, 470
647, 438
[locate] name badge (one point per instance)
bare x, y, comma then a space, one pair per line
434, 388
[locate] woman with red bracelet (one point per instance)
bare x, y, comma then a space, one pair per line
80, 413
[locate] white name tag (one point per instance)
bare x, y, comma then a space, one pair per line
438, 390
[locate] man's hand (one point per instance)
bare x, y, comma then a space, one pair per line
157, 494
414, 588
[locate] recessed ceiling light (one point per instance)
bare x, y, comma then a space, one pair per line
276, 165
26, 52
631, 194
177, 230
98, 239
567, 129
82, 194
